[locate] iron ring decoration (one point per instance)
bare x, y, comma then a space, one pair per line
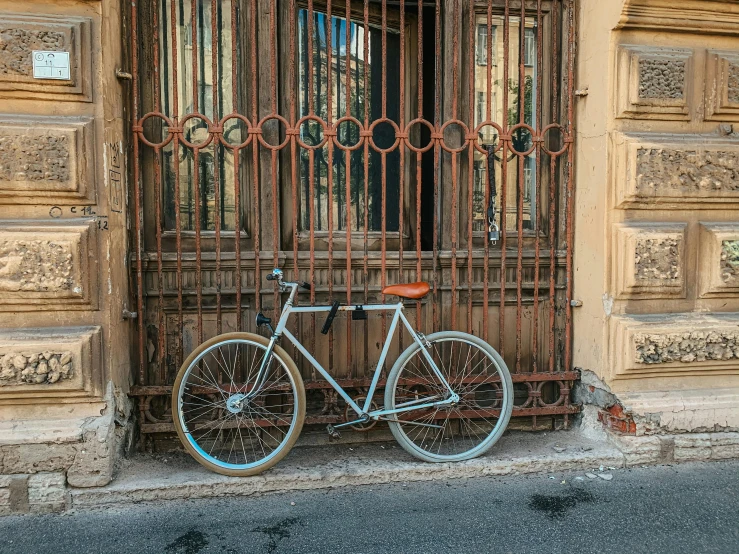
335, 137
260, 134
249, 135
498, 129
531, 131
209, 124
170, 130
371, 132
300, 123
554, 153
560, 398
443, 141
407, 139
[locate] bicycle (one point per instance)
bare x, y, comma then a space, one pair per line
239, 401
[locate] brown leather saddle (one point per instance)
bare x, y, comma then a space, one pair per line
414, 291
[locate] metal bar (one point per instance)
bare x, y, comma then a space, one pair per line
401, 157
255, 162
137, 193
456, 55
179, 356
437, 155
520, 179
470, 156
215, 39
329, 132
158, 193
274, 153
383, 165
419, 156
237, 159
537, 185
505, 140
366, 177
570, 194
348, 190
294, 150
488, 117
552, 193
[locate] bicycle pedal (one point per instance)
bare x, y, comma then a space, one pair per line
332, 432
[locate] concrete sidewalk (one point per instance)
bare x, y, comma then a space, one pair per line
177, 476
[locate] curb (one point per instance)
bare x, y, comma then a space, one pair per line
159, 478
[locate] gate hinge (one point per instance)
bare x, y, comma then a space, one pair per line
576, 303
123, 75
129, 315
582, 92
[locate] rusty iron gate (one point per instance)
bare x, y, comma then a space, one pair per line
354, 143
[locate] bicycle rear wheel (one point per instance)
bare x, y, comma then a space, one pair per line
218, 426
476, 372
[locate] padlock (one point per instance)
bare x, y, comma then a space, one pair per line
493, 233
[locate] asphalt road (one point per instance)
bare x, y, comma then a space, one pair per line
691, 508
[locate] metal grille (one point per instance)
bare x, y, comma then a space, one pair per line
352, 143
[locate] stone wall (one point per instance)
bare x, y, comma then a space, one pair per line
660, 315
64, 345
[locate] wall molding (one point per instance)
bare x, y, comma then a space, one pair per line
713, 17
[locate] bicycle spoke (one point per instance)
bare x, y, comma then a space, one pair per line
228, 427
466, 426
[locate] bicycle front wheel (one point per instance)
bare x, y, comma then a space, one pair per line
453, 432
219, 426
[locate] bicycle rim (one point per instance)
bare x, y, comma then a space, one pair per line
452, 432
224, 429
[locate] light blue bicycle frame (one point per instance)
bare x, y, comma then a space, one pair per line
363, 412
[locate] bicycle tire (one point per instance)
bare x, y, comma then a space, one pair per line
413, 429
287, 379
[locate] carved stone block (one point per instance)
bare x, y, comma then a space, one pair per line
719, 260
722, 86
674, 345
46, 160
654, 83
50, 362
21, 34
649, 260
672, 170
46, 266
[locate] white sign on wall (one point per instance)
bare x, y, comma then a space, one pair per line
50, 65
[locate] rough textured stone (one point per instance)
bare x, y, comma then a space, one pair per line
47, 492
36, 266
733, 83
17, 44
33, 368
661, 78
657, 259
666, 171
95, 456
42, 155
686, 347
730, 262
32, 458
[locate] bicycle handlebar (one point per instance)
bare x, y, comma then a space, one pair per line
276, 275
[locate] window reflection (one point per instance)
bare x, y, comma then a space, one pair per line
362, 99
489, 107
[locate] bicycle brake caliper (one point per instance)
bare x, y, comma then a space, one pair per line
423, 340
